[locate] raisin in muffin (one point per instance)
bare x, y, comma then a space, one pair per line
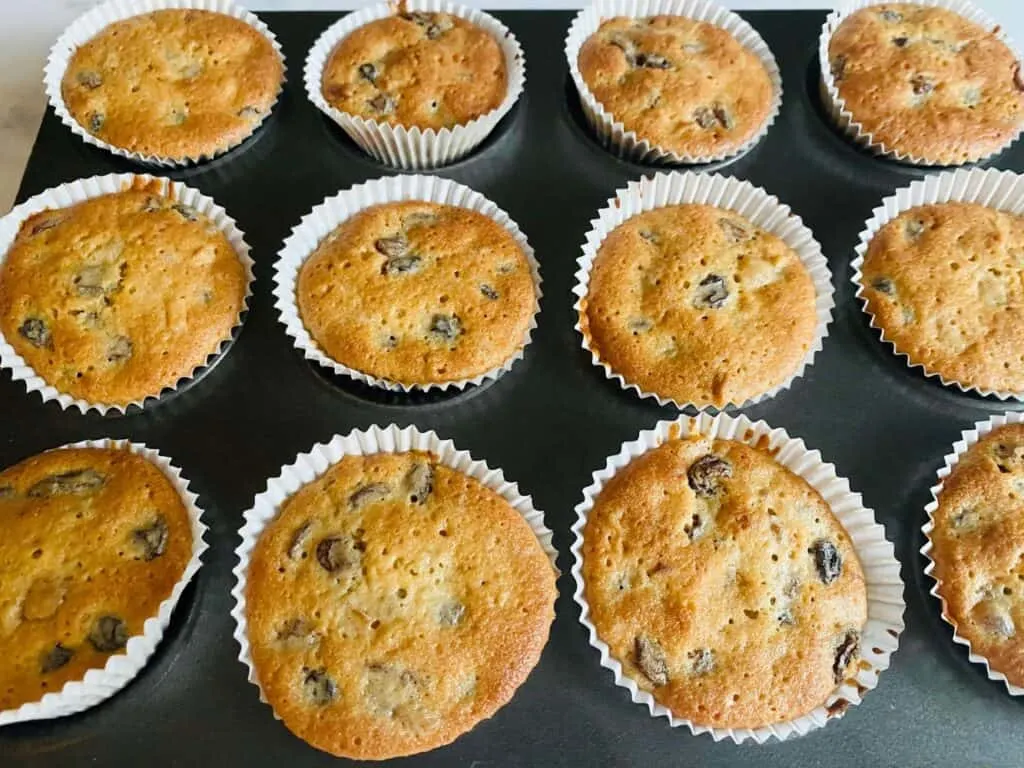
695, 303
685, 86
723, 584
423, 70
94, 541
418, 293
394, 603
926, 82
177, 84
945, 283
112, 299
978, 549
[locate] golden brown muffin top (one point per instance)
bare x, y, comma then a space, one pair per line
418, 292
417, 69
173, 83
93, 541
945, 282
978, 549
685, 86
723, 584
697, 304
927, 82
114, 298
394, 603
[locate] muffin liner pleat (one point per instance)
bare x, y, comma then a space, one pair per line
1001, 190
100, 684
612, 133
742, 197
94, 21
969, 437
308, 466
880, 635
835, 105
415, 148
334, 211
78, 191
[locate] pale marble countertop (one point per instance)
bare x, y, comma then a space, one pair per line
29, 28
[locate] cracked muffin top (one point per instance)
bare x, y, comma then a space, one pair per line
117, 297
723, 584
685, 86
697, 304
393, 604
173, 83
927, 82
945, 283
417, 69
93, 541
418, 292
978, 549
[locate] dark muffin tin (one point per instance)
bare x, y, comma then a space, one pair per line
548, 424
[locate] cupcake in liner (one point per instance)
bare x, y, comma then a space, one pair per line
969, 438
311, 465
100, 684
331, 213
880, 635
74, 192
415, 148
94, 21
612, 133
836, 106
724, 192
1001, 190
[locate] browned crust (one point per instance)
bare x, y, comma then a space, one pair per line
707, 69
967, 103
953, 275
176, 83
405, 683
440, 71
649, 270
379, 323
978, 548
79, 546
127, 265
726, 590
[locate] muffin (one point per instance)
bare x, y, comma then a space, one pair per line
418, 70
723, 584
927, 83
685, 86
94, 541
114, 298
696, 304
178, 84
392, 604
945, 283
418, 293
976, 538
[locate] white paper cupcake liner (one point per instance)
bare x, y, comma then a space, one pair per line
91, 23
969, 437
333, 211
612, 133
415, 148
836, 106
84, 189
100, 684
1001, 190
727, 193
309, 466
879, 636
